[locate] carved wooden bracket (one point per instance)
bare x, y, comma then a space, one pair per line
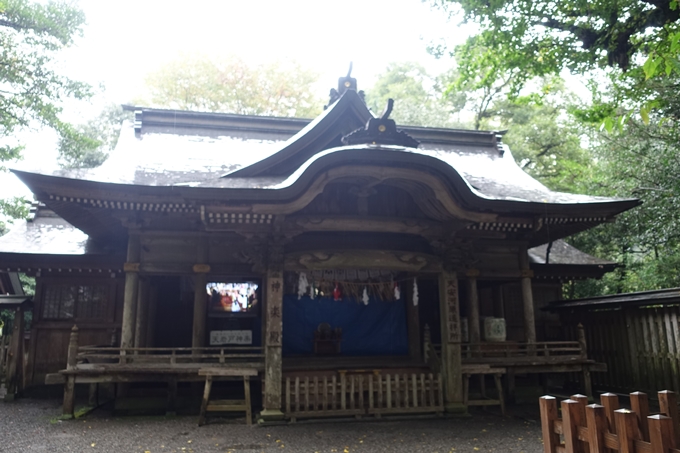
526, 273
131, 267
201, 268
456, 253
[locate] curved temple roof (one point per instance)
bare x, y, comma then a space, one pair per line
193, 158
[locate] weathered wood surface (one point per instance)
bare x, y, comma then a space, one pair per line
608, 429
359, 394
226, 405
639, 344
482, 371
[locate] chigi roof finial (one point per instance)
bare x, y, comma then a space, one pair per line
381, 131
344, 83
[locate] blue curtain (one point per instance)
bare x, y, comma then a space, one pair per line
378, 328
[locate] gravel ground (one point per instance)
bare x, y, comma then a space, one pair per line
31, 425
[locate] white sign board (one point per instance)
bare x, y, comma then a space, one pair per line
219, 337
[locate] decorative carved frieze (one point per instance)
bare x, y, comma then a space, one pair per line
360, 259
456, 253
264, 252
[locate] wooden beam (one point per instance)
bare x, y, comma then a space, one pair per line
127, 335
527, 297
451, 337
273, 342
200, 294
142, 319
473, 307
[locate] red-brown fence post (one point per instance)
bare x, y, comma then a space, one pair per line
668, 404
571, 420
626, 429
551, 440
640, 405
610, 402
596, 421
661, 433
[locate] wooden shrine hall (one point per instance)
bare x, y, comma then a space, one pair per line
349, 266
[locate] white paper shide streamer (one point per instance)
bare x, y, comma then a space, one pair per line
303, 285
364, 297
415, 292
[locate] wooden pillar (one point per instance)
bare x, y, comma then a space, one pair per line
413, 323
200, 295
273, 342
527, 297
153, 309
131, 267
142, 318
473, 306
498, 306
15, 356
70, 384
451, 338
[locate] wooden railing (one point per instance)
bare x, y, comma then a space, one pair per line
545, 349
606, 428
363, 394
98, 354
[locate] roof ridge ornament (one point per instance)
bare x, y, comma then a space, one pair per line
381, 131
344, 83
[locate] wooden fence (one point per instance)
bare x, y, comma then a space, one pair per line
639, 344
363, 394
5, 341
608, 429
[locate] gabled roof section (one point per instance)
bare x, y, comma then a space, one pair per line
347, 114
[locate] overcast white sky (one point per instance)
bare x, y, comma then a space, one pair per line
126, 39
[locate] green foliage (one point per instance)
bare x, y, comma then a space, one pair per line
229, 85
31, 90
13, 208
91, 142
639, 39
419, 97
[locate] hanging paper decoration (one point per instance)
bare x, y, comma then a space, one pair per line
312, 290
415, 292
337, 294
364, 297
397, 291
303, 285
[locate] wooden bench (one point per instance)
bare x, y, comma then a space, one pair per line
482, 371
226, 405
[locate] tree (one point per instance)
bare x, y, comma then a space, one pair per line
31, 91
420, 98
545, 141
229, 85
101, 136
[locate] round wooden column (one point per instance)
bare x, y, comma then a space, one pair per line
527, 297
451, 338
131, 268
200, 294
273, 342
473, 306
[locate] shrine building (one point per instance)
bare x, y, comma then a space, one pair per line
341, 266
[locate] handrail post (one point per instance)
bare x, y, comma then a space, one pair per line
72, 359
582, 341
427, 340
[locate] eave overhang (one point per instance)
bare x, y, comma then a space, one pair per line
84, 203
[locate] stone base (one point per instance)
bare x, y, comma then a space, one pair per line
270, 416
456, 410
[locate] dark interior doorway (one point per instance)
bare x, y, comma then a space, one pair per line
174, 315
